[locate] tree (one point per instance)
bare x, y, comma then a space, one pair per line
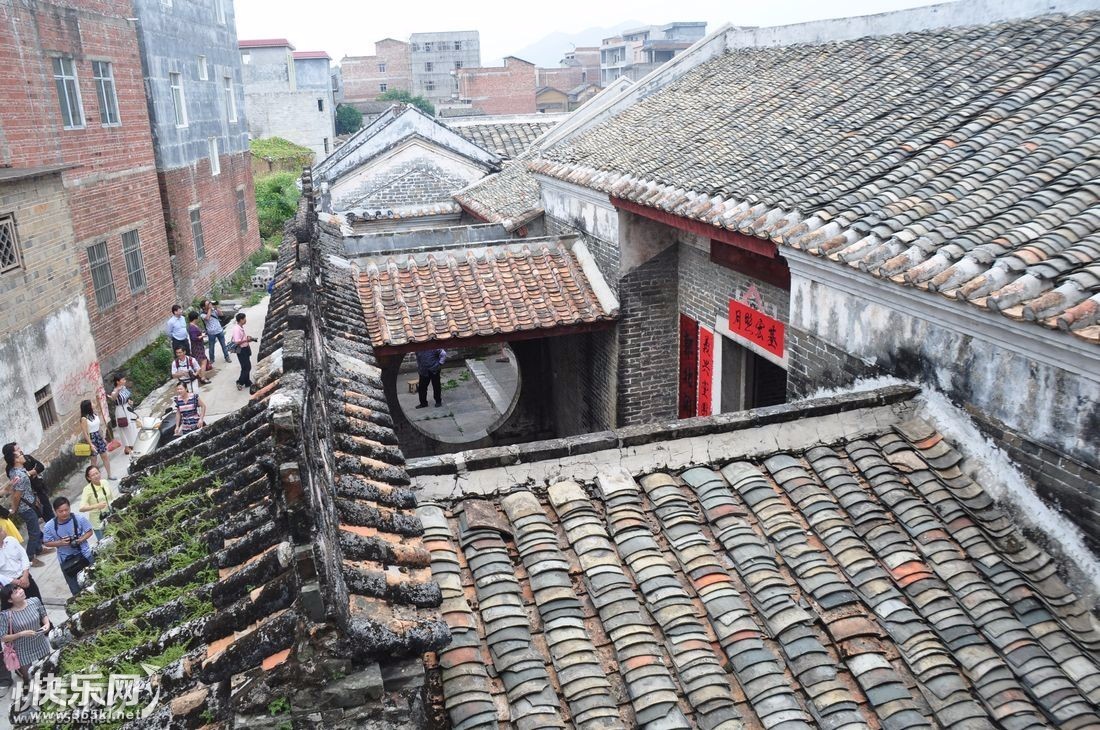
348, 119
276, 201
406, 98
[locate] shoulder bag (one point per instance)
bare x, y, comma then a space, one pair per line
73, 564
11, 659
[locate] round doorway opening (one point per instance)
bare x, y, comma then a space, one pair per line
478, 391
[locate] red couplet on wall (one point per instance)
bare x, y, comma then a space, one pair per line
706, 370
757, 327
689, 370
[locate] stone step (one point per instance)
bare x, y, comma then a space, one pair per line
489, 385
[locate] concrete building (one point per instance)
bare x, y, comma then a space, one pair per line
75, 104
435, 60
634, 53
587, 59
365, 77
507, 89
196, 106
286, 96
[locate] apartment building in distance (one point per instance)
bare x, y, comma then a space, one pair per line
435, 60
365, 77
192, 71
288, 94
507, 89
634, 53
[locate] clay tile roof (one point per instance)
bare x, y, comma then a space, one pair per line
272, 547
305, 55
511, 197
961, 161
449, 294
509, 138
825, 564
265, 43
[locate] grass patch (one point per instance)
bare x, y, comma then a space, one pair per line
277, 149
149, 369
239, 284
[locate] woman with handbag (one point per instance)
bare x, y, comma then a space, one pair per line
125, 418
90, 427
25, 626
95, 500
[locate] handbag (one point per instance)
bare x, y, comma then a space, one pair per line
82, 449
11, 659
113, 444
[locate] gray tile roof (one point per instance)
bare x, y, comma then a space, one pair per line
511, 197
507, 139
962, 161
864, 583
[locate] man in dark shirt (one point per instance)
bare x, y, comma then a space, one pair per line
428, 364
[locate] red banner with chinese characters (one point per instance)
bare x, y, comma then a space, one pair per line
706, 370
757, 327
689, 371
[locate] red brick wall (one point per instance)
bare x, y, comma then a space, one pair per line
113, 182
362, 77
226, 245
562, 79
508, 89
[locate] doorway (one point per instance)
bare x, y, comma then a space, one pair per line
749, 380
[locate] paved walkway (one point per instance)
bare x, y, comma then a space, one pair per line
221, 397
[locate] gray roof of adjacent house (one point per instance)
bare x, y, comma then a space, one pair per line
507, 136
964, 161
510, 197
820, 564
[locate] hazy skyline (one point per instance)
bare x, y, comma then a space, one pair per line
343, 27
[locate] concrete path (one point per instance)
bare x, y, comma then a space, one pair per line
221, 397
468, 412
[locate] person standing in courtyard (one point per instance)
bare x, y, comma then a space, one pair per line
91, 426
23, 499
211, 317
24, 626
176, 329
190, 411
428, 364
70, 532
198, 347
95, 500
122, 399
185, 368
243, 344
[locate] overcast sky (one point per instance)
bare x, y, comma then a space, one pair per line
350, 27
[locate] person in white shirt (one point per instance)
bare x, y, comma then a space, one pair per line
15, 567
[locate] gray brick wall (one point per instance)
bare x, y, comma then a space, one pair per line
705, 287
815, 364
583, 370
606, 253
648, 341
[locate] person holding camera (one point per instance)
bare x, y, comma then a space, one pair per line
242, 343
95, 500
211, 317
69, 532
24, 626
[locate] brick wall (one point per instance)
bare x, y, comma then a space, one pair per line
705, 288
562, 79
226, 245
648, 338
508, 89
583, 369
814, 364
604, 252
362, 79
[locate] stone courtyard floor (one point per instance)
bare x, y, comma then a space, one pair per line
468, 412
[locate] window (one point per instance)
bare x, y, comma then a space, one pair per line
416, 46
326, 145
47, 414
230, 98
178, 103
68, 92
219, 11
429, 86
246, 57
135, 265
102, 281
382, 87
381, 68
215, 160
428, 66
320, 105
242, 211
458, 45
204, 73
104, 76
458, 64
196, 233
9, 244
427, 47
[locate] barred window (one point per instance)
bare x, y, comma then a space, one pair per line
68, 92
104, 77
102, 281
47, 414
196, 233
135, 265
10, 257
242, 211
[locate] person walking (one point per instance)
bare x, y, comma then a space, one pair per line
25, 626
211, 317
190, 411
96, 499
35, 470
69, 533
91, 426
243, 342
23, 500
15, 566
185, 368
198, 348
429, 363
176, 329
125, 419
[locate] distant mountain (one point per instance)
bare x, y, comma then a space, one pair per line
547, 51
